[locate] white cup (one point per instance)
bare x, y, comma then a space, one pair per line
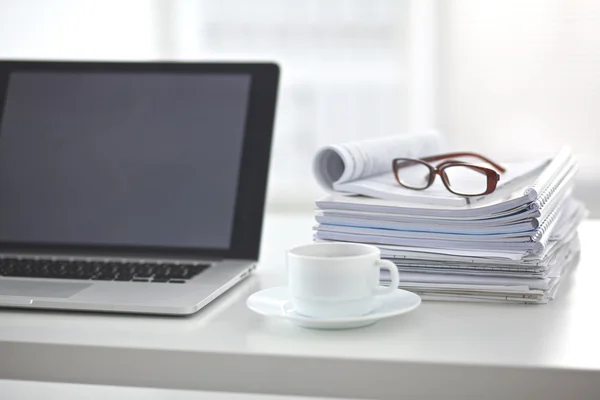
336, 280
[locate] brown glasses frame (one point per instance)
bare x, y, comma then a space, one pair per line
492, 175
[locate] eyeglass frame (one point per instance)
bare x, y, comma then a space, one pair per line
492, 175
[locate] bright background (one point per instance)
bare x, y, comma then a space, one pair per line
509, 78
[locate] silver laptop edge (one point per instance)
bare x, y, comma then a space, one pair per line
231, 252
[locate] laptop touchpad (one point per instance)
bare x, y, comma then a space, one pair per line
40, 289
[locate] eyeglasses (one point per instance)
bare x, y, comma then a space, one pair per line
459, 177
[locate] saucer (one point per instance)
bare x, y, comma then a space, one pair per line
276, 302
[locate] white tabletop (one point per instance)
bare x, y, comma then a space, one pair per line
440, 349
28, 390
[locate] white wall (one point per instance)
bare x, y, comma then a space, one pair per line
79, 29
522, 76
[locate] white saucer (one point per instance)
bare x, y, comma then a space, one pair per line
275, 302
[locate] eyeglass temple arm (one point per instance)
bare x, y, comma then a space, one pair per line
455, 162
442, 164
451, 155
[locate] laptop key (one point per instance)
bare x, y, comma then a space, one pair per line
6, 270
160, 279
54, 268
177, 281
178, 272
146, 270
160, 270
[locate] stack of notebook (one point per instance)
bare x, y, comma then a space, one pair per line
514, 245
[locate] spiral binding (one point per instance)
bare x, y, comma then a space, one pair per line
548, 222
564, 185
557, 184
557, 168
549, 190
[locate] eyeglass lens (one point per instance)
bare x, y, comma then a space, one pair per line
413, 174
465, 180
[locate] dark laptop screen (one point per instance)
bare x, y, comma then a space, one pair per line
139, 159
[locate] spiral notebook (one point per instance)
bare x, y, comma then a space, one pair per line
533, 194
564, 217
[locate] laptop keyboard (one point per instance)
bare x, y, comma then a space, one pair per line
101, 271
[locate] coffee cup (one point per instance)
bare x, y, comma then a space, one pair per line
337, 280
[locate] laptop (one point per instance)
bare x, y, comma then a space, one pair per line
131, 187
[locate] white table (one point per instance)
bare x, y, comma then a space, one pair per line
441, 349
28, 390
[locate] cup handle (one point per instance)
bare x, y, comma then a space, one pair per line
394, 277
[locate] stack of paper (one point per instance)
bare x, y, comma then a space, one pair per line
515, 245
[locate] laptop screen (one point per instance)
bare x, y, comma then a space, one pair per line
121, 158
